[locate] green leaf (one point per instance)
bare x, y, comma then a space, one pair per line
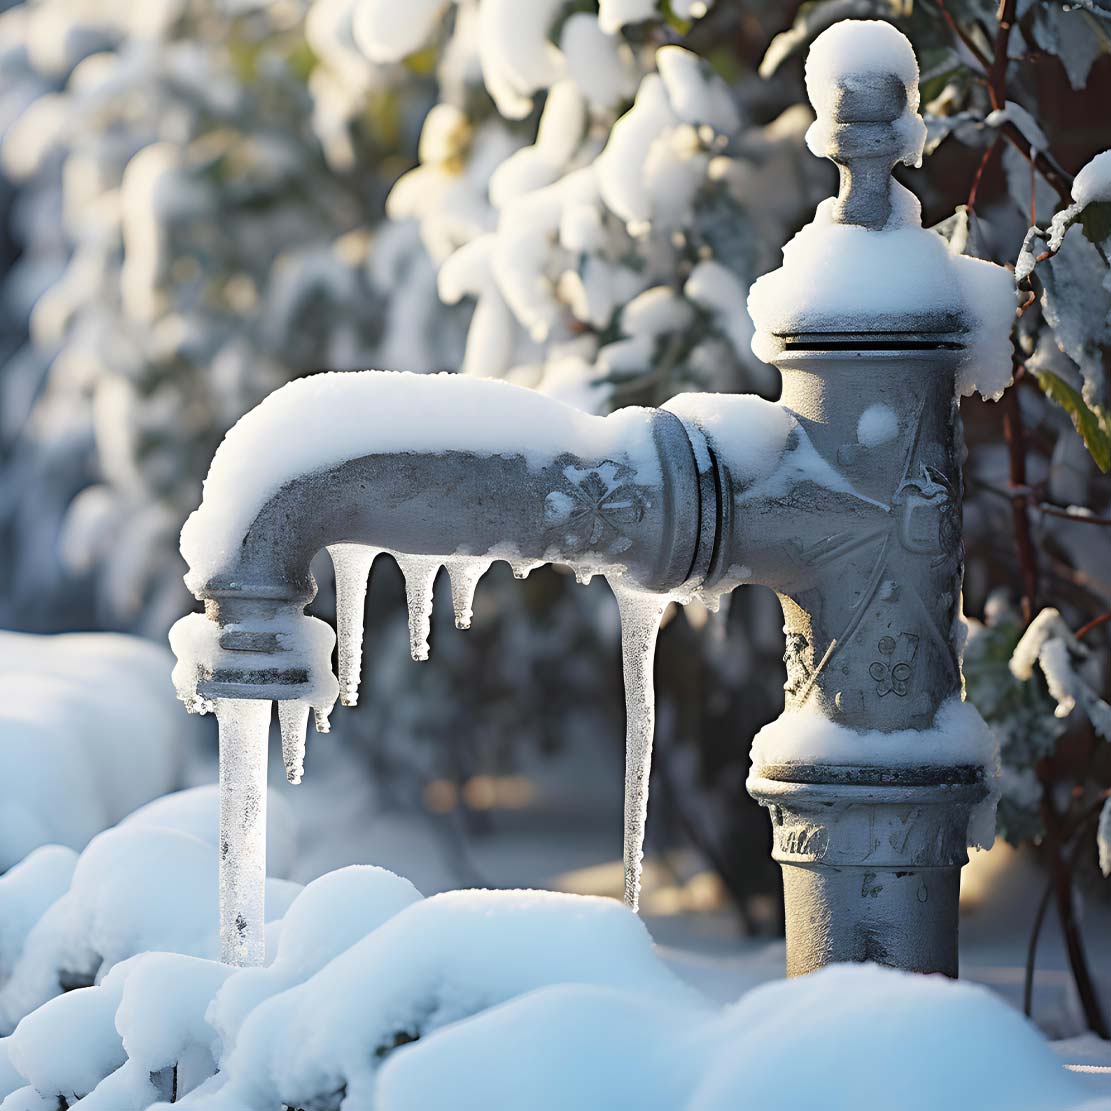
677, 24
1096, 221
1092, 422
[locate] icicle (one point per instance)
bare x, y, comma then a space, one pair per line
524, 567
352, 567
420, 576
464, 573
244, 732
321, 714
641, 614
294, 720
583, 573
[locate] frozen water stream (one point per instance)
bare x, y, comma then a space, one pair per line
641, 614
244, 726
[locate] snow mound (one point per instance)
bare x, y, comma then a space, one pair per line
1093, 182
436, 962
631, 1050
87, 734
471, 1000
133, 890
196, 811
326, 919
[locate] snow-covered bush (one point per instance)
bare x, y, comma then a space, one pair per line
146, 884
193, 236
377, 998
88, 732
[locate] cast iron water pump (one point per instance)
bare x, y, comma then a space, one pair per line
849, 510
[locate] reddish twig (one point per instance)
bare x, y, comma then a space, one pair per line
964, 38
997, 71
1065, 515
1061, 878
1095, 623
970, 204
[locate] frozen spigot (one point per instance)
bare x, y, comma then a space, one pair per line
843, 497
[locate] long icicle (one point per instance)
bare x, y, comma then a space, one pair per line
293, 717
420, 577
352, 568
244, 732
641, 614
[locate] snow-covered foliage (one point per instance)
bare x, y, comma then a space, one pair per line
147, 884
87, 734
578, 248
192, 238
375, 997
1050, 645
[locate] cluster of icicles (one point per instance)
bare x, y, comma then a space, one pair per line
641, 614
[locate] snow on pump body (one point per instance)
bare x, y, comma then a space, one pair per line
844, 497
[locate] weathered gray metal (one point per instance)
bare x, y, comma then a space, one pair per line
867, 563
640, 514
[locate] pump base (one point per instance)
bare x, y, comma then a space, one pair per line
871, 860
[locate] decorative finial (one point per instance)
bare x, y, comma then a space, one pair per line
862, 79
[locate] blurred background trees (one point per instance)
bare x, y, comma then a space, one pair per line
207, 198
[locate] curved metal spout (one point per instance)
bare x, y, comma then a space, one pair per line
530, 481
632, 503
503, 473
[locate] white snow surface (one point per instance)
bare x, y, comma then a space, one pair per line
134, 889
877, 425
749, 433
87, 734
327, 419
479, 999
438, 961
385, 35
843, 277
196, 811
1093, 182
636, 1051
958, 735
615, 14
